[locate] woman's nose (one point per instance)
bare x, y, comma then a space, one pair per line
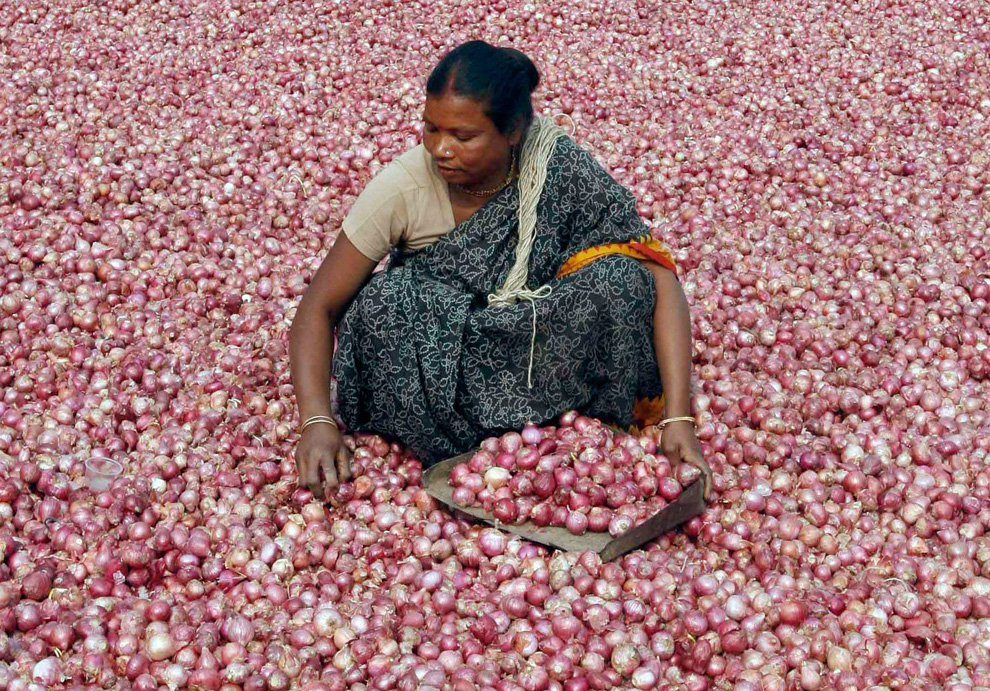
441, 150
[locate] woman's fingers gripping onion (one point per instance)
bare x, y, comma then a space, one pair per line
321, 450
680, 445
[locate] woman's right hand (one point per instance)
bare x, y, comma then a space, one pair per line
322, 448
339, 278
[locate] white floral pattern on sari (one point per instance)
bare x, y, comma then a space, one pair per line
421, 357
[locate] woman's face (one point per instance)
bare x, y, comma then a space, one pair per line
467, 147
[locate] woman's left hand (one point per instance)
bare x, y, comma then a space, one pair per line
680, 445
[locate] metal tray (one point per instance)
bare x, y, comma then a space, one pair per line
690, 504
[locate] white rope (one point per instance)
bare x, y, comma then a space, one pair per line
570, 120
532, 174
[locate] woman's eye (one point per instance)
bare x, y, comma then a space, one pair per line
463, 138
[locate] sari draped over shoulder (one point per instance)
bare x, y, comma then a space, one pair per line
424, 359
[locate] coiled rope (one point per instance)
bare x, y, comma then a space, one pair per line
533, 167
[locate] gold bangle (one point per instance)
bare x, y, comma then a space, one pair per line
682, 418
317, 419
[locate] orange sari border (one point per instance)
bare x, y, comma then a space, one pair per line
644, 248
657, 252
646, 412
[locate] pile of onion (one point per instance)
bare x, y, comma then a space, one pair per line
581, 475
171, 176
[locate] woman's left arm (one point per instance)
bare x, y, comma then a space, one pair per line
672, 340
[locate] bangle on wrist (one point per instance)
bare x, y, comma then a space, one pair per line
681, 418
319, 419
660, 426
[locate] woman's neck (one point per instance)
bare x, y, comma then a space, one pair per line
494, 181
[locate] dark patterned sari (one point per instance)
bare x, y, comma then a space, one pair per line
422, 358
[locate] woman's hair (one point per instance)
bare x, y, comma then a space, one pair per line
501, 79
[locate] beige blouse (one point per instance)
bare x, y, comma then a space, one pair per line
406, 203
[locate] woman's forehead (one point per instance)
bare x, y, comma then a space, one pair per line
452, 112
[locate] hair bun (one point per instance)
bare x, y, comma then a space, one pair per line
526, 66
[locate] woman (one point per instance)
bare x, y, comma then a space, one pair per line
522, 283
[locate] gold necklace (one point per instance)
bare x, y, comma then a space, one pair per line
488, 193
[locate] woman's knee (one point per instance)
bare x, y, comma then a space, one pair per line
619, 276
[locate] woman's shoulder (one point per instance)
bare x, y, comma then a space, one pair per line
573, 161
416, 166
581, 177
570, 154
406, 173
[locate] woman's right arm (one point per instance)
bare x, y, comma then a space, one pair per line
341, 275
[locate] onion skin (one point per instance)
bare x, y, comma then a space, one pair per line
166, 199
36, 586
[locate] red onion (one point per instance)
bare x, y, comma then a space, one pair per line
37, 585
577, 523
830, 232
588, 477
161, 646
532, 435
237, 629
484, 629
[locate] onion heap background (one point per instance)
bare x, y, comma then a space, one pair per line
172, 173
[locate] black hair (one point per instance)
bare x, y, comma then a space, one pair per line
501, 79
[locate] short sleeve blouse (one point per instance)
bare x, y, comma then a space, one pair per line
405, 204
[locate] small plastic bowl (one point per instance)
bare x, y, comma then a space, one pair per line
101, 472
